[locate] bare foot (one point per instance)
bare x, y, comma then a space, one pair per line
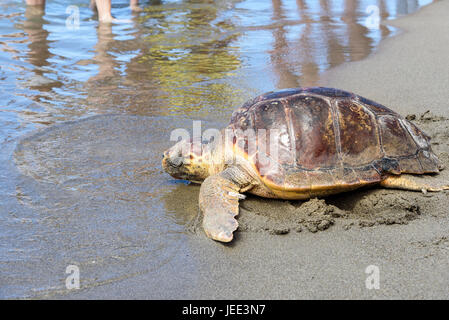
106, 18
111, 19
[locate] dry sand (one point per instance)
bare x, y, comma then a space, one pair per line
321, 248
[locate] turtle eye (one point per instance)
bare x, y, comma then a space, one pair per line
175, 158
176, 161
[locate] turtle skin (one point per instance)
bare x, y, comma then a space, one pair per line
329, 140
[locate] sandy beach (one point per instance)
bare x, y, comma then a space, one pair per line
88, 112
320, 249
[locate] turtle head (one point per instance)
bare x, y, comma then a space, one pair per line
188, 162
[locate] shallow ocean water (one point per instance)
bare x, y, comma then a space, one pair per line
90, 191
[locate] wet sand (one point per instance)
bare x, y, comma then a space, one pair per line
321, 248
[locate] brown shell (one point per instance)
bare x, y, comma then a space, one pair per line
328, 137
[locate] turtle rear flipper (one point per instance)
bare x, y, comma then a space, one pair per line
411, 183
219, 202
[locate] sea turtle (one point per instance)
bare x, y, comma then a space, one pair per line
328, 141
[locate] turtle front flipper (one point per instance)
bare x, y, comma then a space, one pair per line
219, 202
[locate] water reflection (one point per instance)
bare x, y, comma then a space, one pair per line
287, 78
356, 33
35, 74
106, 62
194, 58
324, 37
38, 44
187, 54
404, 7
